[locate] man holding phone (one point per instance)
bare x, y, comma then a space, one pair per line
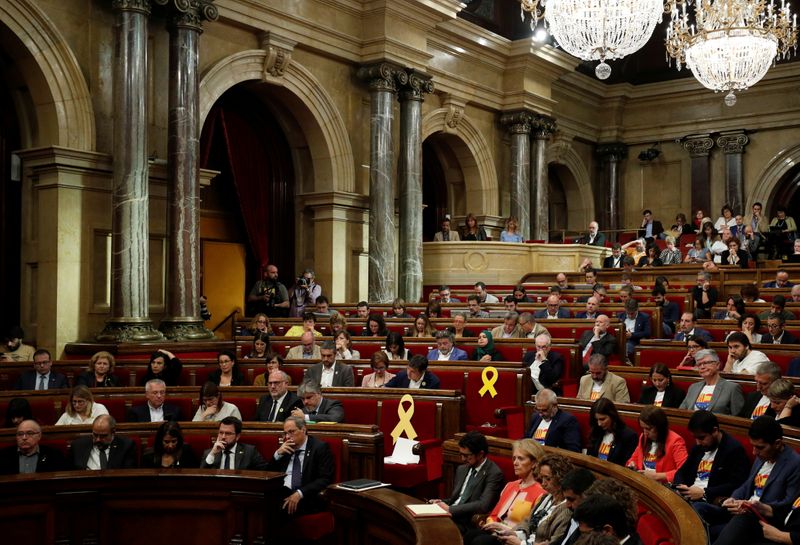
228, 453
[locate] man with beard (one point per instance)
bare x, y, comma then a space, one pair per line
268, 295
15, 349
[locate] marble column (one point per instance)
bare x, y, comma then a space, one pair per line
699, 148
182, 320
130, 221
410, 179
732, 144
519, 129
542, 128
610, 157
382, 79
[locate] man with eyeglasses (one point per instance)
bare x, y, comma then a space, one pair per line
29, 456
309, 467
553, 311
228, 453
41, 377
103, 449
777, 334
553, 427
713, 393
278, 405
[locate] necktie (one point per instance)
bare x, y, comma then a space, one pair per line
103, 458
588, 354
271, 417
42, 384
468, 487
227, 464
297, 470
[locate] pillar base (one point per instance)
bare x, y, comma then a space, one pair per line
185, 329
129, 330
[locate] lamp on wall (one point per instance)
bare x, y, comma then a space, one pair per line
730, 44
597, 29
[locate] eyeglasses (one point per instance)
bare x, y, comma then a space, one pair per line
290, 432
22, 434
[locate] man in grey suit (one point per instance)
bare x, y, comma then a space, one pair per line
713, 393
329, 372
478, 482
228, 452
317, 408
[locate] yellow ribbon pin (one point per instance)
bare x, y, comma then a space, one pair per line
488, 382
404, 426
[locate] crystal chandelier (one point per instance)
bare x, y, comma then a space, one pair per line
731, 44
597, 29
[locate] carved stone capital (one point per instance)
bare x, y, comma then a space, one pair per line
732, 142
455, 111
416, 86
519, 122
698, 146
543, 126
383, 76
190, 14
615, 151
279, 54
185, 329
141, 6
129, 330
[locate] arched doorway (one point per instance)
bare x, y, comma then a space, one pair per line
787, 193
558, 213
440, 170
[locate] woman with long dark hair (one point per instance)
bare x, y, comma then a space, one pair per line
228, 373
661, 392
165, 366
660, 451
609, 439
169, 450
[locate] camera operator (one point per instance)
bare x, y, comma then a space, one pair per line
304, 293
269, 295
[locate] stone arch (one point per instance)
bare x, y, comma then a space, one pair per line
61, 97
561, 152
480, 176
767, 184
323, 126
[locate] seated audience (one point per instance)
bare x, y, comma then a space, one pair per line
713, 393
687, 328
750, 325
228, 453
416, 375
553, 427
260, 324
432, 310
445, 349
510, 234
520, 294
165, 366
704, 295
445, 297
600, 382
597, 340
671, 255
474, 305
329, 373
486, 351
650, 228
693, 344
362, 310
260, 348
309, 324
473, 231
576, 485
446, 235
15, 349
41, 377
604, 521
317, 408
670, 312
379, 363
395, 347
781, 280
228, 373
553, 310
274, 362
344, 347
169, 449
100, 373
280, 402
593, 236
784, 402
212, 407
546, 366
376, 326
103, 449
306, 350
322, 307
650, 258
609, 438
637, 326
778, 307
750, 294
742, 359
782, 232
592, 309
697, 253
734, 309
399, 310
530, 328
510, 328
758, 403
424, 328
337, 324
777, 334
483, 295
734, 255
81, 408
727, 219
661, 451
17, 410
156, 409
662, 392
614, 261
458, 329
29, 456
635, 249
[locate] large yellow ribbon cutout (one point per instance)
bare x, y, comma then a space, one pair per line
404, 426
488, 382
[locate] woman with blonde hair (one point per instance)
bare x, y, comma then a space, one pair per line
510, 233
337, 323
81, 408
260, 323
422, 327
100, 373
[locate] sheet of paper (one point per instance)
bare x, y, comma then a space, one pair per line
402, 453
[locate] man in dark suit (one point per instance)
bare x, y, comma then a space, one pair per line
41, 377
415, 376
155, 410
758, 403
309, 467
687, 328
315, 407
546, 366
614, 261
637, 326
597, 340
103, 449
477, 485
777, 334
594, 237
278, 405
670, 312
29, 456
553, 310
602, 513
650, 228
553, 427
329, 372
228, 453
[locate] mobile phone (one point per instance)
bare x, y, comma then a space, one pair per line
749, 507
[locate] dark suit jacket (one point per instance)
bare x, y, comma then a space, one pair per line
342, 374
329, 410
744, 258
750, 402
318, 472
141, 413
121, 453
621, 450
727, 473
290, 402
599, 239
783, 484
28, 380
50, 459
236, 380
247, 457
605, 345
641, 327
608, 263
542, 314
484, 492
670, 313
564, 431
657, 230
698, 332
550, 372
401, 380
88, 379
787, 338
673, 396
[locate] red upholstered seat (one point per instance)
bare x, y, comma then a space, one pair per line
116, 407
480, 409
652, 530
424, 422
247, 406
46, 411
313, 527
360, 411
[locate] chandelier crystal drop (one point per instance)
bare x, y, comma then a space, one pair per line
729, 45
597, 29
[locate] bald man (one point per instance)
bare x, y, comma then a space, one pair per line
29, 456
594, 237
